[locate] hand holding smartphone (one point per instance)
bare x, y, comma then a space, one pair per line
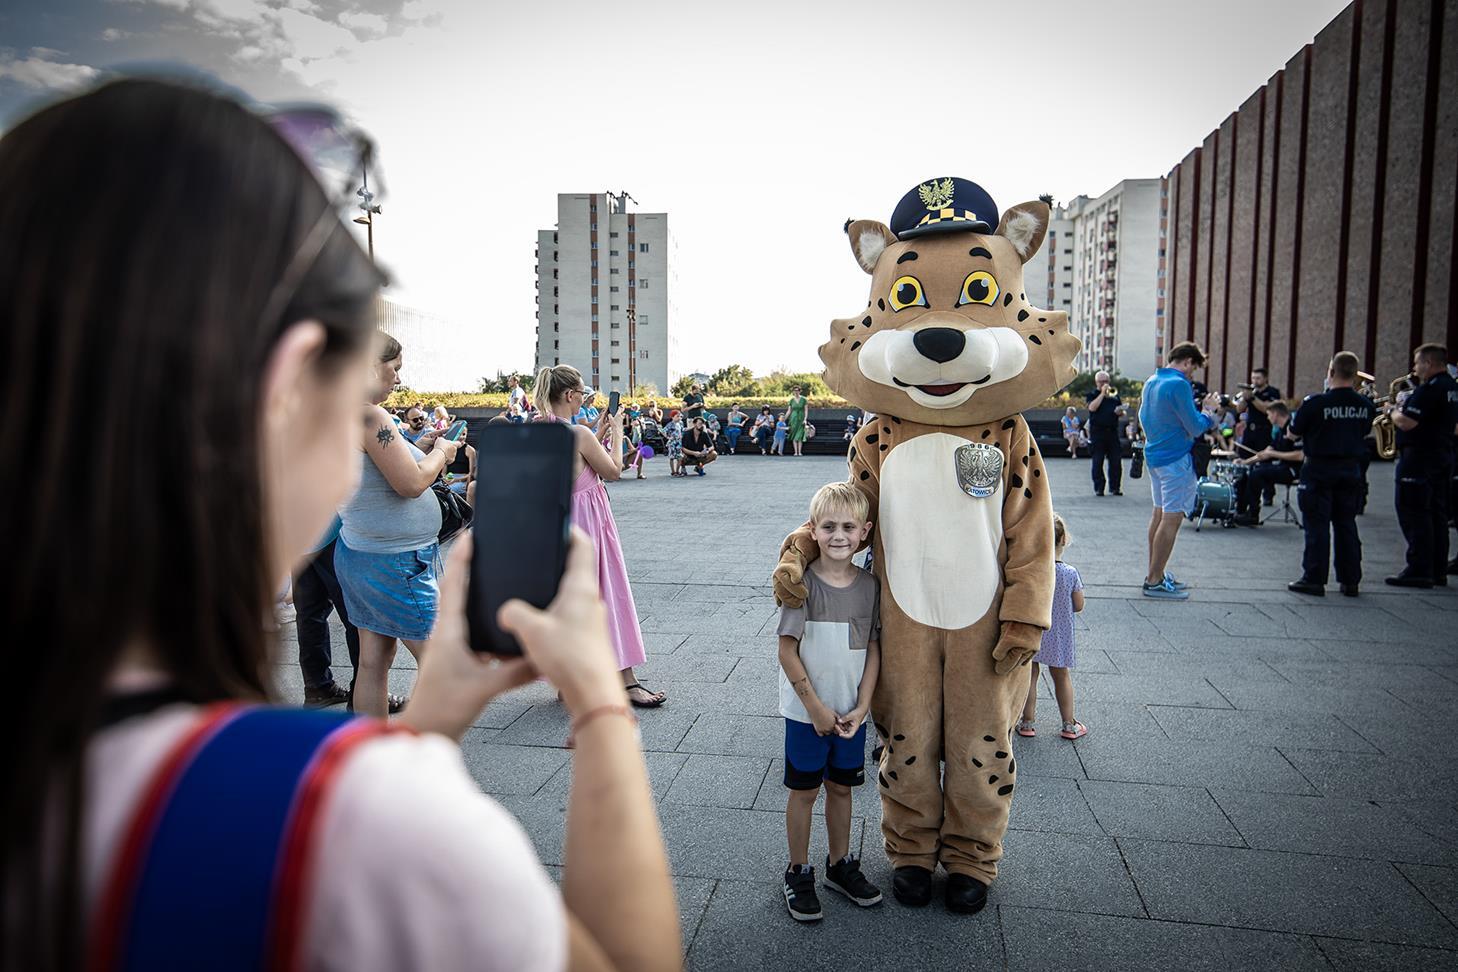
613, 401
521, 527
457, 429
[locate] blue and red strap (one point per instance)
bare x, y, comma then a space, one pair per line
214, 867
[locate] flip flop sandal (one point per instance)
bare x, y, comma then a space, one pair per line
658, 697
1025, 728
1073, 730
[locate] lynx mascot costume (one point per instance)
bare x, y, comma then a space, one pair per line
947, 353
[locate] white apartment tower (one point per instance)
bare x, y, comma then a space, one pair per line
1117, 284
603, 292
1048, 275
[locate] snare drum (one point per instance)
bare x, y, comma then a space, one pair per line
1225, 470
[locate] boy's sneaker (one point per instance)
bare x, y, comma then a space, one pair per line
700, 470
845, 876
1175, 582
800, 897
1166, 590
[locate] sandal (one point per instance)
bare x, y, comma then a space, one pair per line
1025, 728
394, 702
658, 697
1073, 730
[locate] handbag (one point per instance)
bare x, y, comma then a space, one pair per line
455, 512
1136, 465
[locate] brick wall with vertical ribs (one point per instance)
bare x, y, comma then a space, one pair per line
1338, 180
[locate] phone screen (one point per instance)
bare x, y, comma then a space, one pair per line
522, 523
613, 400
456, 431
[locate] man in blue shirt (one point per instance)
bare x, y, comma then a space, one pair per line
1171, 424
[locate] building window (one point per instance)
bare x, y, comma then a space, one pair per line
615, 344
594, 299
614, 360
612, 252
594, 225
616, 325
612, 290
615, 307
594, 264
594, 244
612, 236
643, 284
613, 270
643, 355
642, 247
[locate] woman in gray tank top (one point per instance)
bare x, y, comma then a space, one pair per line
388, 560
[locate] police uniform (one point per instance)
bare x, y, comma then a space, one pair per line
1424, 468
1258, 432
1333, 430
1103, 442
1265, 476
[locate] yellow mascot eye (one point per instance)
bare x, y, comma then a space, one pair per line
906, 292
980, 287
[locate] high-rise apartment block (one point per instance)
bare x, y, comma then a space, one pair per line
603, 285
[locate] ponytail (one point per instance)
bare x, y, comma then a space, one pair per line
552, 384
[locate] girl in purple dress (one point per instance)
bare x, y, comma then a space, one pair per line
558, 395
1056, 650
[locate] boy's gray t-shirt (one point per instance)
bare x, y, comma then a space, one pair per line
834, 626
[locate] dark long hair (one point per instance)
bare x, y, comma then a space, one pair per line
143, 228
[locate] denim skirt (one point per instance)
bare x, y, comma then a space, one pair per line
394, 594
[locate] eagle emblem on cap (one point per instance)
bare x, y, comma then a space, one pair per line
935, 194
979, 467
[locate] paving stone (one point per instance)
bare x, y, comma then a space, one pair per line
1297, 729
1054, 941
736, 735
1360, 776
745, 929
1169, 689
1298, 893
663, 769
719, 781
1275, 694
1258, 768
1180, 813
1051, 805
685, 668
506, 769
1047, 755
1072, 872
1340, 674
1329, 825
1349, 956
1438, 884
749, 845
1203, 664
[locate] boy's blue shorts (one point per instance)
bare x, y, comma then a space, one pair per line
810, 757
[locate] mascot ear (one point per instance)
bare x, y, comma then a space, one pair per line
1024, 226
868, 239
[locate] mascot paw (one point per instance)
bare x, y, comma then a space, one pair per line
1016, 646
798, 550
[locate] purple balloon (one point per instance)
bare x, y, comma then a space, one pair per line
645, 451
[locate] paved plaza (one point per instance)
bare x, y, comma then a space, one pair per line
1269, 781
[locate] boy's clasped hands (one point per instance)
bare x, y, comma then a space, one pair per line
828, 722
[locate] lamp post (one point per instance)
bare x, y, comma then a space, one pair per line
367, 209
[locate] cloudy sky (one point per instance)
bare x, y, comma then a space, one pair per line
758, 126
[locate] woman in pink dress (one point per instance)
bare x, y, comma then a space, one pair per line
558, 396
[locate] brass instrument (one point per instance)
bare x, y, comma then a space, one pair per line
1384, 431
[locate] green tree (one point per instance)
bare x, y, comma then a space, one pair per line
733, 380
502, 382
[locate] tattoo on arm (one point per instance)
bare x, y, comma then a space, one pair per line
802, 687
385, 436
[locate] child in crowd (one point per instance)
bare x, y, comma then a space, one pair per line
782, 429
830, 656
673, 434
1056, 650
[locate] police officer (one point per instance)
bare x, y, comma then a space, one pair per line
1425, 426
1277, 464
1258, 428
1104, 410
1333, 429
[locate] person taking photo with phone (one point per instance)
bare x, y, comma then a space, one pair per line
558, 395
207, 214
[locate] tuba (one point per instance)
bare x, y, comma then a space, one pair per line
1384, 431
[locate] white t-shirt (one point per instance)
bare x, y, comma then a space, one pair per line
418, 869
834, 626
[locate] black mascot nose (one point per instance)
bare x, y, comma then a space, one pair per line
941, 344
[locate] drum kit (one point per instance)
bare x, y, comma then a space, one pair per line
1215, 492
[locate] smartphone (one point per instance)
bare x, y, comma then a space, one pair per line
456, 430
522, 525
613, 400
